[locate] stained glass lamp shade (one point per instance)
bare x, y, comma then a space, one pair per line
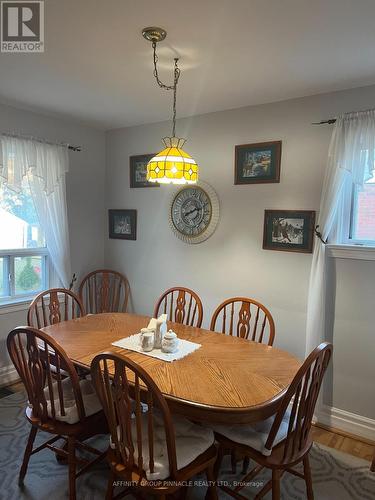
172, 165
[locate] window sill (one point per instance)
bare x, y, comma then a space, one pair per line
23, 303
354, 252
15, 305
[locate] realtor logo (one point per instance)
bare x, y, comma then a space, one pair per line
22, 26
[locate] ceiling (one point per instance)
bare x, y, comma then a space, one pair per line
97, 67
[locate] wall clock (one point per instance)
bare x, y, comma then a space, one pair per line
194, 212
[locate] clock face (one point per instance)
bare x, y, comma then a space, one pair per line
191, 211
194, 213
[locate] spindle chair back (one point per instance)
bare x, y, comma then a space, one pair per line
42, 366
53, 306
181, 305
245, 318
300, 399
103, 291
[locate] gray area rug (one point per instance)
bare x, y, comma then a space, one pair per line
336, 476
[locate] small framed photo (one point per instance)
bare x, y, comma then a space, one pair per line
257, 163
138, 171
123, 224
289, 230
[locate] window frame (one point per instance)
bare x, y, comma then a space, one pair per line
348, 247
9, 256
353, 213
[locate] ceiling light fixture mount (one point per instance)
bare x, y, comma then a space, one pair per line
172, 165
154, 34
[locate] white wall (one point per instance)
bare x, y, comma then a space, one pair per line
354, 337
232, 261
85, 194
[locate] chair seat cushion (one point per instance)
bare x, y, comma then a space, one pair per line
255, 436
191, 441
90, 401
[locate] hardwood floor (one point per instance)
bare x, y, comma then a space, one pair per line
16, 387
336, 439
355, 446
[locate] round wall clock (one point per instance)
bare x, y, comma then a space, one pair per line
194, 212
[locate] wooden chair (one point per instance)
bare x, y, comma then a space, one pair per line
104, 291
284, 440
245, 318
152, 450
65, 407
182, 305
53, 306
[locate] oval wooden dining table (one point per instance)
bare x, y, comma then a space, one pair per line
227, 380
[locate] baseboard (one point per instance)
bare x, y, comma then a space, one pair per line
8, 375
348, 422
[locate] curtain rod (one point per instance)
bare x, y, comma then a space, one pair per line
330, 121
43, 141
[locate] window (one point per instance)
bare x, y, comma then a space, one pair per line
363, 214
23, 253
362, 227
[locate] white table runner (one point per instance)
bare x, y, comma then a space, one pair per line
133, 343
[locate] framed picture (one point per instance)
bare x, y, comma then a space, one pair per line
289, 230
138, 171
257, 163
123, 224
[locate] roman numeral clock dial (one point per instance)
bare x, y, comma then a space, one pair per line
194, 212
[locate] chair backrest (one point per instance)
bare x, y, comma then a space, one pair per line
300, 400
40, 361
182, 305
53, 306
121, 395
244, 318
104, 291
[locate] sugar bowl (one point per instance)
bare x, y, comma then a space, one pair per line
169, 342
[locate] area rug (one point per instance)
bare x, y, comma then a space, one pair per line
336, 476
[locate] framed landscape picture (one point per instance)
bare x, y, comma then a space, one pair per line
138, 171
123, 224
289, 230
257, 163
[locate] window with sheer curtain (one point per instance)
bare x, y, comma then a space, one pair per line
352, 152
24, 259
346, 212
34, 240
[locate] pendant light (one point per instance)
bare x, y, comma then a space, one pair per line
172, 165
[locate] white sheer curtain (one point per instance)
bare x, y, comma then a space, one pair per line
44, 166
350, 161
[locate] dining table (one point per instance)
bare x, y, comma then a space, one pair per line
227, 380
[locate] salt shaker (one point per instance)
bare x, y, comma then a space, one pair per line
147, 341
143, 331
169, 342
